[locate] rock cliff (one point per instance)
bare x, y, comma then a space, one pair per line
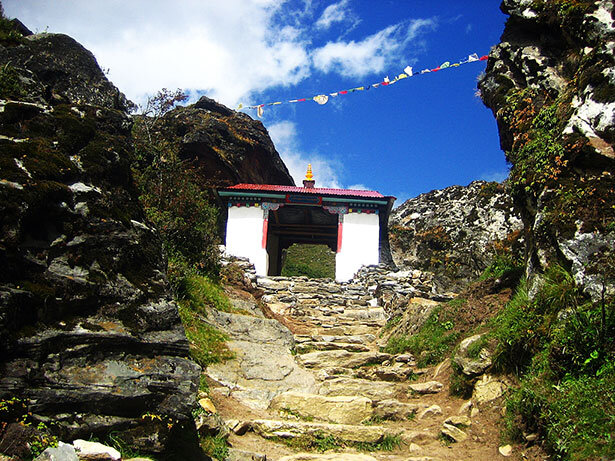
223, 146
455, 232
90, 338
551, 86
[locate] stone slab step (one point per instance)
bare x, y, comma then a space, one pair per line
428, 387
396, 410
340, 409
341, 358
386, 373
374, 390
373, 313
353, 339
328, 457
310, 346
269, 428
348, 327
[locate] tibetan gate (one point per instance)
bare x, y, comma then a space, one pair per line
264, 219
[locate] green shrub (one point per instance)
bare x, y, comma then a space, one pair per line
216, 447
461, 385
8, 33
562, 346
430, 345
197, 295
575, 415
173, 196
501, 266
387, 443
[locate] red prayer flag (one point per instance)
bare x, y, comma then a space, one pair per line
484, 58
344, 92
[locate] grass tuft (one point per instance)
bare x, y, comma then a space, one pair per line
432, 342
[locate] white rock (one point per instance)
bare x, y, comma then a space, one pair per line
63, 452
454, 432
429, 387
488, 388
505, 450
95, 451
433, 410
83, 188
465, 408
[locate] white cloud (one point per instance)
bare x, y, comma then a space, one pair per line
372, 54
337, 12
358, 187
284, 136
227, 49
497, 176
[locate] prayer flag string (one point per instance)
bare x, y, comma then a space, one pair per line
322, 99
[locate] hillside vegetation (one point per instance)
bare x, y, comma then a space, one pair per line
313, 261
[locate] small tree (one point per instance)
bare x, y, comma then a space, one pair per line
171, 195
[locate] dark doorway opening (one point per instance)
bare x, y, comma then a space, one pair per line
298, 224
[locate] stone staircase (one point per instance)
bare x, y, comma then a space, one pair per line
361, 404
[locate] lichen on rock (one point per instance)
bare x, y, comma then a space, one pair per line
550, 84
90, 337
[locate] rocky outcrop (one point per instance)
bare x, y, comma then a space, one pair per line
454, 232
55, 69
225, 147
90, 338
551, 86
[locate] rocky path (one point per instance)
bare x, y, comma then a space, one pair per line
327, 392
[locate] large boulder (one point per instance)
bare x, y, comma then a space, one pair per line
90, 338
454, 232
472, 364
551, 86
225, 147
56, 69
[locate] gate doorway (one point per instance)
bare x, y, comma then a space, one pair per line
297, 224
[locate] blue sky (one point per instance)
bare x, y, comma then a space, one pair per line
422, 133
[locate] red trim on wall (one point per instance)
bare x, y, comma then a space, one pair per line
265, 226
339, 237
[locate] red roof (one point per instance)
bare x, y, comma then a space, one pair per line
304, 190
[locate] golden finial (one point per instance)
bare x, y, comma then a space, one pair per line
308, 175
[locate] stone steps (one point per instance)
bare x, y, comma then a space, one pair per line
271, 429
310, 346
374, 390
338, 410
329, 457
354, 339
341, 358
356, 384
392, 373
